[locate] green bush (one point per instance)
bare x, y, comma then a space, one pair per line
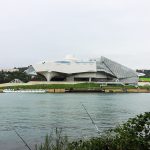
132, 135
54, 142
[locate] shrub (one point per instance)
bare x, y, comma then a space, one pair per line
54, 141
132, 135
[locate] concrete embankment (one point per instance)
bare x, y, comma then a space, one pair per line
119, 90
138, 91
85, 90
56, 91
127, 90
75, 90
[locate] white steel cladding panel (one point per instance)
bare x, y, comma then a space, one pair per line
67, 67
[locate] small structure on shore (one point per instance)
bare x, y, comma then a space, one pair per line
16, 81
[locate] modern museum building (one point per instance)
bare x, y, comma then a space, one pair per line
72, 70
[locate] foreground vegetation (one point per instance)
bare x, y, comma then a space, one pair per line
132, 135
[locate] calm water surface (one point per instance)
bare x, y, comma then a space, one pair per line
35, 115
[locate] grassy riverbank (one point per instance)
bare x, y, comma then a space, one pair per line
54, 86
144, 79
132, 135
80, 87
66, 86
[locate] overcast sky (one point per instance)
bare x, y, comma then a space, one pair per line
36, 30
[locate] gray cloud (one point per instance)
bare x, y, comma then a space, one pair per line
34, 30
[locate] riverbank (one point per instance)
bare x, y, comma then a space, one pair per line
74, 87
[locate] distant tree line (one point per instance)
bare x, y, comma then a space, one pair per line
146, 72
6, 77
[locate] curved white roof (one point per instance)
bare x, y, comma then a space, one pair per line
67, 67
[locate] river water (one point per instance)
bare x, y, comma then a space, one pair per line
35, 115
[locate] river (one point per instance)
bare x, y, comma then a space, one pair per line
35, 115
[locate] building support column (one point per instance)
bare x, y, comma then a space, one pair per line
90, 79
47, 75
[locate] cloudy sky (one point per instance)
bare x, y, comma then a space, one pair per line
35, 30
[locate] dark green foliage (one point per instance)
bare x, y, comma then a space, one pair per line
135, 134
6, 77
132, 135
146, 72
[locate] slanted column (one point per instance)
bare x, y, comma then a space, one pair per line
90, 79
47, 75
